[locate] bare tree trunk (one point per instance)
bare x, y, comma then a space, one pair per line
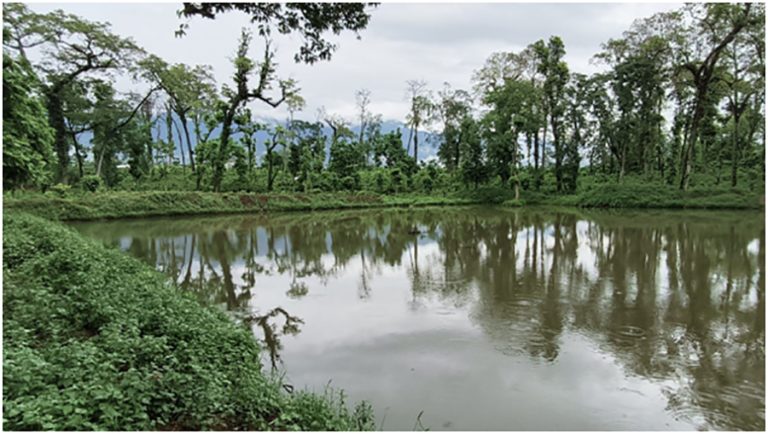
410, 137
78, 154
270, 178
537, 177
101, 159
735, 149
185, 127
686, 165
416, 144
181, 143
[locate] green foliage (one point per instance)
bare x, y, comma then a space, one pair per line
472, 165
536, 123
649, 195
453, 106
91, 183
490, 194
72, 48
310, 22
102, 205
508, 117
96, 340
27, 138
345, 160
160, 178
242, 93
61, 190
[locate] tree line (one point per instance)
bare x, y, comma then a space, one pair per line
680, 101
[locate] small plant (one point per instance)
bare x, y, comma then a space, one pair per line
91, 183
61, 190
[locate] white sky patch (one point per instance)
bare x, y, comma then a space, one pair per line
754, 246
585, 254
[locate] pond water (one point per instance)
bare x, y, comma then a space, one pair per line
490, 319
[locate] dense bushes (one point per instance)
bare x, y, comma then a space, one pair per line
663, 196
380, 187
91, 183
96, 340
85, 206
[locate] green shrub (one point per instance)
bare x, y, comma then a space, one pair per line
91, 183
656, 195
96, 340
489, 194
61, 190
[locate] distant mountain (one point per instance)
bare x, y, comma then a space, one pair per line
428, 142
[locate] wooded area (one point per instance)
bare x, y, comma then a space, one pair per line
680, 104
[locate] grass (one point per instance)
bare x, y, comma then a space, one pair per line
119, 204
96, 340
106, 205
656, 196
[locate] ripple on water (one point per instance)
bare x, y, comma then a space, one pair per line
520, 305
628, 334
735, 407
738, 406
691, 414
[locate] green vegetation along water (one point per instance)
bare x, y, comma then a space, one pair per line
96, 340
485, 318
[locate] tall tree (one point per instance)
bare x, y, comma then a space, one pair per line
452, 107
248, 128
555, 71
187, 88
505, 120
579, 128
473, 168
745, 79
277, 138
503, 68
71, 48
306, 153
420, 113
242, 93
637, 80
700, 42
363, 101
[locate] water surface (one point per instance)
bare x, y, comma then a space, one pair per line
489, 319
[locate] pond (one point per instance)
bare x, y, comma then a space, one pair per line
476, 318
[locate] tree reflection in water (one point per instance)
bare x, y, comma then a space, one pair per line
676, 297
272, 333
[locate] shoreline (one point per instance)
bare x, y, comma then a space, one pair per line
119, 205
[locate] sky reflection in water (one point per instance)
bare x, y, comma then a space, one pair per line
495, 319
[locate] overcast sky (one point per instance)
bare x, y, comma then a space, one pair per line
432, 42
